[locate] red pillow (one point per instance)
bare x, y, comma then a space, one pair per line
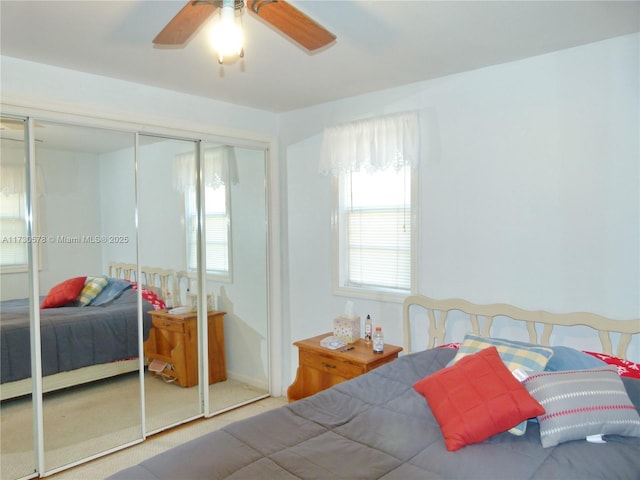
476, 398
626, 368
64, 293
151, 297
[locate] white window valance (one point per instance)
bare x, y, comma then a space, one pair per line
220, 168
371, 145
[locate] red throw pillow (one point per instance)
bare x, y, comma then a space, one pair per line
476, 398
151, 297
64, 293
626, 368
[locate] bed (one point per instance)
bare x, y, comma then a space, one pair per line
83, 343
379, 425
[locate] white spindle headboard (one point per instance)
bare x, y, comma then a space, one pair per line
171, 284
438, 310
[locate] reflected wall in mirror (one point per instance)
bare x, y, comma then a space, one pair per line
235, 222
17, 447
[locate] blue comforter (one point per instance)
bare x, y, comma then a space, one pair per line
72, 337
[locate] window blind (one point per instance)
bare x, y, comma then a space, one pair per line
13, 230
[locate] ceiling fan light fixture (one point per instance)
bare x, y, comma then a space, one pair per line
226, 36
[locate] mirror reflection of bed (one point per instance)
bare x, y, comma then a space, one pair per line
81, 393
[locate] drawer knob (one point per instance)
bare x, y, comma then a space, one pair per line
328, 365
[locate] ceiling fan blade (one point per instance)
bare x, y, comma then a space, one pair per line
188, 20
292, 22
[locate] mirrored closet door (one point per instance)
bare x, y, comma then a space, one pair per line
222, 188
234, 217
86, 210
133, 226
168, 234
17, 447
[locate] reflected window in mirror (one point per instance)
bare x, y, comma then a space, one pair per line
216, 221
14, 213
13, 222
219, 171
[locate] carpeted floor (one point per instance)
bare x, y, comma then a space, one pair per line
86, 420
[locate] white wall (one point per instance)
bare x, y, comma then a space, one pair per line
161, 205
118, 200
36, 85
69, 207
529, 185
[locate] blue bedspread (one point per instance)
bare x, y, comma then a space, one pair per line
72, 337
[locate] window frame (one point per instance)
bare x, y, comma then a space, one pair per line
339, 254
16, 267
191, 220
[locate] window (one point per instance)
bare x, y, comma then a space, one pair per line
377, 229
374, 235
373, 163
220, 171
13, 228
13, 216
216, 220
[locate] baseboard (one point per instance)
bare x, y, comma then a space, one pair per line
262, 385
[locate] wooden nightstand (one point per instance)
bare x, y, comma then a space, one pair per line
173, 339
320, 368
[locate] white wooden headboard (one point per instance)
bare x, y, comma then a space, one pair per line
437, 311
174, 285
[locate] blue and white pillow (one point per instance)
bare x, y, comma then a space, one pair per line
92, 288
112, 291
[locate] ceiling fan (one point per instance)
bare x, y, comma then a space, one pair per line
278, 13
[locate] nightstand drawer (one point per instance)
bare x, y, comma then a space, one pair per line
165, 323
330, 365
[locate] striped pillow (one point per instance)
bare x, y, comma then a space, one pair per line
579, 403
514, 355
91, 290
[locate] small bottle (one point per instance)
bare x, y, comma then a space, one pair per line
368, 330
378, 341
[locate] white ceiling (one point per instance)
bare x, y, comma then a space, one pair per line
380, 44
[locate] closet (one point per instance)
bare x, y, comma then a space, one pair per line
81, 196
